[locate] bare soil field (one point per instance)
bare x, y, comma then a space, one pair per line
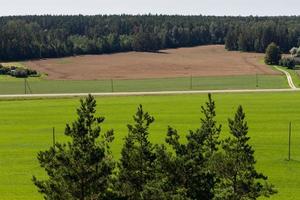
197, 61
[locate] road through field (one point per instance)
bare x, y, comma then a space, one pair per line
146, 93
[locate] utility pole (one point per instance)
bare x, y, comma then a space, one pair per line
112, 85
256, 80
290, 133
25, 85
53, 136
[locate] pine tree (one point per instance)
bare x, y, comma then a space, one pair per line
230, 40
81, 168
137, 158
188, 171
242, 42
209, 127
236, 166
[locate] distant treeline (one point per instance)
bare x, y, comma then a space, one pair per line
29, 37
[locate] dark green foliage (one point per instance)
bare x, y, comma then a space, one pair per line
4, 70
81, 168
167, 181
273, 54
194, 169
256, 33
146, 42
230, 40
27, 37
209, 127
17, 72
188, 173
136, 166
235, 165
243, 43
287, 62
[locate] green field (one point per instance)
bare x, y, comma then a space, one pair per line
9, 85
26, 128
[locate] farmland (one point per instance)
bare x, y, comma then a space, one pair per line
197, 68
202, 61
26, 127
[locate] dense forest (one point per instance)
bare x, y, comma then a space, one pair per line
30, 37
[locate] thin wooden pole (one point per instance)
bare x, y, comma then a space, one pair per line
191, 82
256, 80
53, 136
290, 133
112, 85
25, 86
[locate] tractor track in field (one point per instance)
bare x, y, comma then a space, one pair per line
288, 76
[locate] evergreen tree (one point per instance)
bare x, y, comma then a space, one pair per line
188, 171
273, 54
146, 42
236, 165
230, 41
242, 42
136, 167
168, 178
209, 127
81, 168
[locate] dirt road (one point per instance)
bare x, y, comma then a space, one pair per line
144, 93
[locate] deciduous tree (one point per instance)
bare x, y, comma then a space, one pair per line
273, 54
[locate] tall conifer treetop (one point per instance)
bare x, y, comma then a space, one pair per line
81, 168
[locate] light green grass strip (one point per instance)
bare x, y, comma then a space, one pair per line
9, 85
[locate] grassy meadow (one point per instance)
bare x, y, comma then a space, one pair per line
26, 128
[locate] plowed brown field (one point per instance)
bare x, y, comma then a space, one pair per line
197, 61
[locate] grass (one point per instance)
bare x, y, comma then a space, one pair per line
26, 128
11, 85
